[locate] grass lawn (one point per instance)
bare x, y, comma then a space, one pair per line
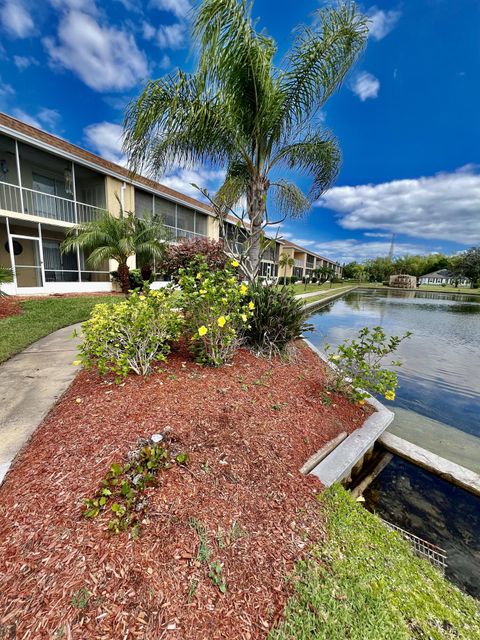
364, 583
328, 292
423, 287
41, 317
310, 288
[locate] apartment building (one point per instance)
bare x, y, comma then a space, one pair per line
306, 262
48, 185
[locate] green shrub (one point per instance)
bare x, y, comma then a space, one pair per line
135, 279
6, 276
278, 318
216, 310
358, 368
130, 335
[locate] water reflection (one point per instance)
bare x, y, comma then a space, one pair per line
434, 510
439, 378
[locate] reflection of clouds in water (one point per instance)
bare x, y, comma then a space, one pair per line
439, 377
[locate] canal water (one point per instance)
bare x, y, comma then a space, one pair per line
437, 407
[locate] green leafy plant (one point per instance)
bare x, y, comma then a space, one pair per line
122, 489
80, 598
277, 319
6, 276
131, 335
135, 279
216, 310
118, 238
216, 576
204, 550
358, 369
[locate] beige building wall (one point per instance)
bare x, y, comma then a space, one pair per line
113, 192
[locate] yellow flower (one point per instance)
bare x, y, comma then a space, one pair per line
335, 357
199, 275
361, 402
251, 305
221, 321
243, 289
142, 297
77, 362
202, 330
244, 317
390, 395
235, 263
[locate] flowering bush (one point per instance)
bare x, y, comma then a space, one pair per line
130, 335
178, 256
216, 310
358, 370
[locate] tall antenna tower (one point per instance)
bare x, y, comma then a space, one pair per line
392, 246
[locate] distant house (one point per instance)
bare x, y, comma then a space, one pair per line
443, 276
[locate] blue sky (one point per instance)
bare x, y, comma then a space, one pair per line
406, 118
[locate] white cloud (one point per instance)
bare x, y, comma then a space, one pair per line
15, 19
444, 206
76, 5
105, 58
381, 22
47, 119
353, 249
377, 235
165, 62
105, 138
365, 85
6, 89
23, 62
182, 179
180, 8
171, 36
148, 30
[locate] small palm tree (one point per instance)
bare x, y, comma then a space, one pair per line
240, 111
111, 238
6, 276
284, 262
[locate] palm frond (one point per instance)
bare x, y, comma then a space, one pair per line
318, 155
176, 121
288, 199
320, 58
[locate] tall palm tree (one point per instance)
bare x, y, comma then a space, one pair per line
118, 239
240, 111
285, 261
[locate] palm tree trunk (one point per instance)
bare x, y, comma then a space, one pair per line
256, 203
123, 275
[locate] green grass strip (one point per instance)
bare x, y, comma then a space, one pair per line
41, 317
364, 583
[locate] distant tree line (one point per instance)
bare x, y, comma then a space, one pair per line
462, 265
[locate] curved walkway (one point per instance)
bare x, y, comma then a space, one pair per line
30, 384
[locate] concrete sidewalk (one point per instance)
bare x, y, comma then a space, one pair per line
30, 384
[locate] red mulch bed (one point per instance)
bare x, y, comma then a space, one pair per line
254, 424
9, 307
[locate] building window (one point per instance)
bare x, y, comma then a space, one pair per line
143, 203
185, 218
201, 223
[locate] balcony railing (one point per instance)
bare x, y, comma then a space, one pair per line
299, 263
180, 234
45, 205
